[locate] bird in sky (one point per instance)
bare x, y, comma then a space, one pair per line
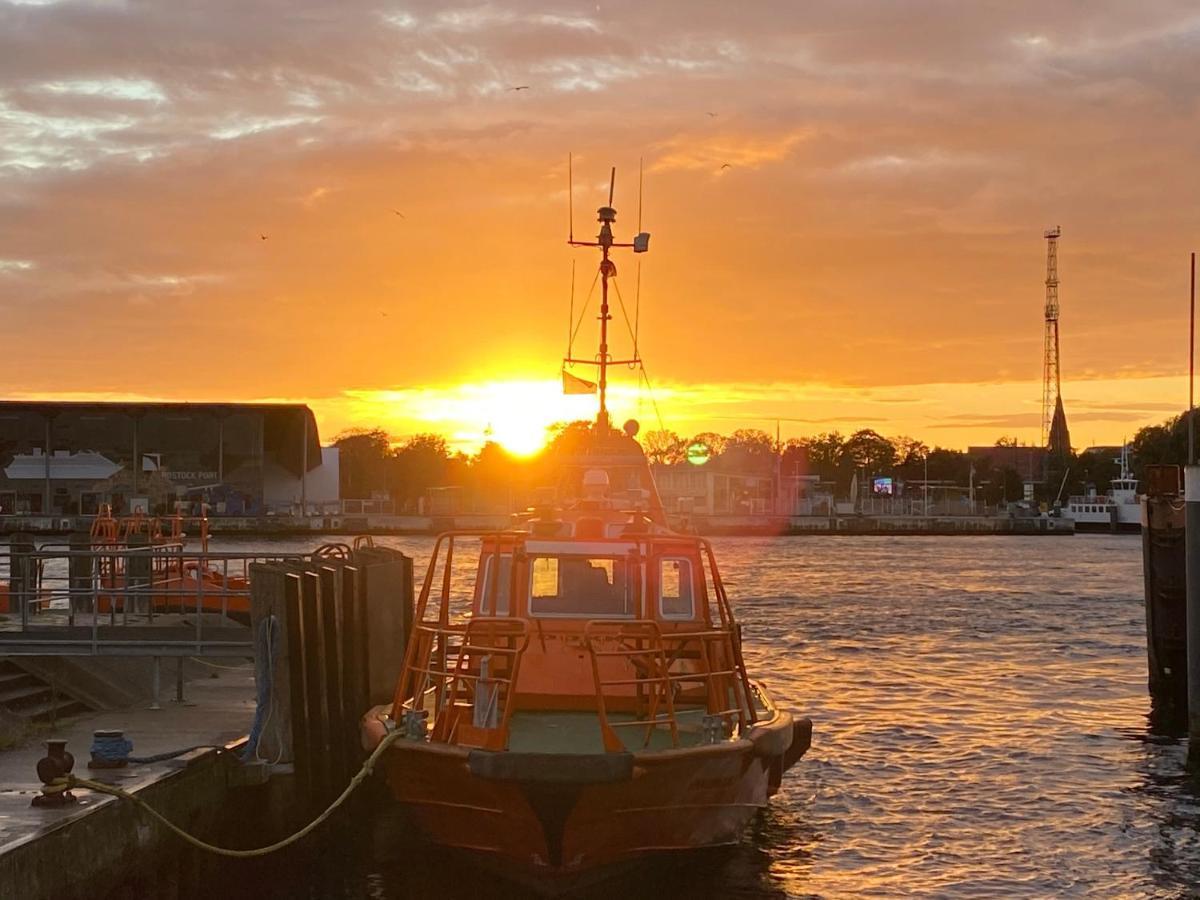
726, 165
519, 87
712, 115
397, 212
262, 237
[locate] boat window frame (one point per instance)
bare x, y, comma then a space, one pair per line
636, 600
691, 614
485, 580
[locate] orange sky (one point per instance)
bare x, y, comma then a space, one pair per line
873, 257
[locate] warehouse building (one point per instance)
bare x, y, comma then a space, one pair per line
237, 459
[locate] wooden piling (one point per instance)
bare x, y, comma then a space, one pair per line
1164, 571
1191, 507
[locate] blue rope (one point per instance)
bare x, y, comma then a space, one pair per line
266, 648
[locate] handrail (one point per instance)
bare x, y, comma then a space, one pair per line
89, 600
503, 639
647, 654
727, 622
482, 733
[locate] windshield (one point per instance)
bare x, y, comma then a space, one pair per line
573, 586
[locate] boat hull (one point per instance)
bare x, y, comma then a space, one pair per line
557, 817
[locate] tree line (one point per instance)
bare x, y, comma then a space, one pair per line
374, 465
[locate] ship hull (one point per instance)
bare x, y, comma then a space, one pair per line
556, 819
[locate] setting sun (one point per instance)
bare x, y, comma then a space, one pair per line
516, 414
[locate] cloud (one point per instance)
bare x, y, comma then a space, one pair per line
687, 152
893, 167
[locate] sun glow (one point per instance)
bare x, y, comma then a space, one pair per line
516, 414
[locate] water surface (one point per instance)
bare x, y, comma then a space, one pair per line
980, 718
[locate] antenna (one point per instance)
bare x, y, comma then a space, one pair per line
570, 205
637, 302
639, 193
605, 243
571, 317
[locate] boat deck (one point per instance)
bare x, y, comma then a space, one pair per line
579, 732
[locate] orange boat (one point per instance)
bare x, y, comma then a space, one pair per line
585, 703
173, 582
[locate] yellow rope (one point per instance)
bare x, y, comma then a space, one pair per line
71, 781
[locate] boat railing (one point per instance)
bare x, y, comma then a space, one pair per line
469, 671
725, 616
707, 659
645, 673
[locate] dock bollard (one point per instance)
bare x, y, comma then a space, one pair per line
57, 763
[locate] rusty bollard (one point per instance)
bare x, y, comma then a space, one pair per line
55, 765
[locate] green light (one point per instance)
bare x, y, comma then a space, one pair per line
698, 453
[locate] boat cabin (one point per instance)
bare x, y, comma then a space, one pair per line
596, 642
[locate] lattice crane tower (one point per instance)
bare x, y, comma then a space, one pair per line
1054, 420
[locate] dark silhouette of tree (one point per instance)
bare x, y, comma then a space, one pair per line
665, 448
824, 453
363, 460
1164, 444
869, 450
417, 465
749, 450
710, 439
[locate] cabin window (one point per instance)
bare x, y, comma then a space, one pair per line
577, 585
502, 587
675, 589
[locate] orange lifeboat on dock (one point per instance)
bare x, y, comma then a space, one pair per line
148, 553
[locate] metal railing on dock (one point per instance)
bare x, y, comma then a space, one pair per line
125, 600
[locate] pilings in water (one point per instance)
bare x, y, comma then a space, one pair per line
326, 632
1164, 570
1191, 507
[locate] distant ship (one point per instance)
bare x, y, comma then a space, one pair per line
1118, 510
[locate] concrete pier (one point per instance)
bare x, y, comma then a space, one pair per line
88, 848
872, 525
268, 526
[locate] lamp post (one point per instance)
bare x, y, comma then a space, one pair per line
927, 484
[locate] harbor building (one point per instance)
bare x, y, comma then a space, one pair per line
223, 459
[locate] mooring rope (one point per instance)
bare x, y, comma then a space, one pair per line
266, 648
115, 748
72, 781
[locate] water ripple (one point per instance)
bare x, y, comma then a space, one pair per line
980, 726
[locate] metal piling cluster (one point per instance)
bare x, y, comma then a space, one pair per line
341, 620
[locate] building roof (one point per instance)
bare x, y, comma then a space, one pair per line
284, 424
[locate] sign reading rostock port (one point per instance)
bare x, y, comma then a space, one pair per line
190, 476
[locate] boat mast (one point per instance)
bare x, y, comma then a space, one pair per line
606, 216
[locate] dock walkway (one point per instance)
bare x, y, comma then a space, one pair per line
56, 852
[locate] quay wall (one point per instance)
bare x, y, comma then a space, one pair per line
107, 847
699, 524
874, 525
